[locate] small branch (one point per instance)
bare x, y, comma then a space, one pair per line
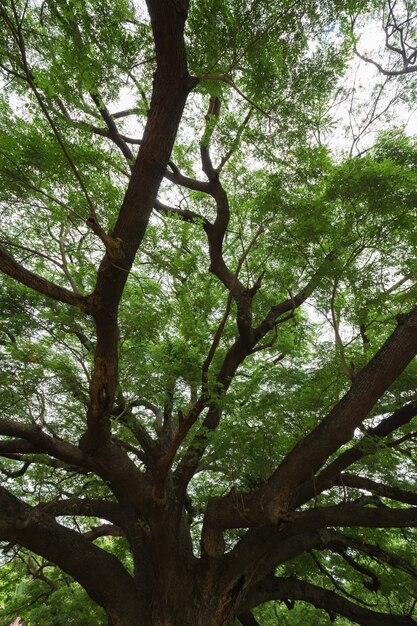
113, 130
92, 220
348, 371
386, 491
105, 530
215, 343
334, 582
125, 113
341, 542
16, 473
185, 214
65, 263
294, 302
224, 78
38, 573
235, 143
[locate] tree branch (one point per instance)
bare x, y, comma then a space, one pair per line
99, 572
41, 442
15, 270
114, 134
274, 588
341, 541
325, 479
339, 425
247, 619
185, 214
105, 530
386, 491
171, 86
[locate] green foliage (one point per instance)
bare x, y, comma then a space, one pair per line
33, 599
340, 232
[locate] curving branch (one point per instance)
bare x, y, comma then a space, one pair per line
175, 176
340, 542
243, 346
408, 69
315, 485
385, 491
275, 588
105, 530
397, 41
33, 439
113, 133
18, 272
16, 473
100, 573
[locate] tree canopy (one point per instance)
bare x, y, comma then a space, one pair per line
208, 320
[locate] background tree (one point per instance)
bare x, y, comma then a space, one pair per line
208, 325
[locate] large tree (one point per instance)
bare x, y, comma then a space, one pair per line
207, 325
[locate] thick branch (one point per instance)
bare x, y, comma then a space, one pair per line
274, 588
15, 270
88, 507
100, 573
16, 446
243, 511
105, 530
40, 442
339, 425
326, 478
172, 84
355, 516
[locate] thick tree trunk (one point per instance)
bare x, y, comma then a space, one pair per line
192, 614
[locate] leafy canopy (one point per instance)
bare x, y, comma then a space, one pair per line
194, 291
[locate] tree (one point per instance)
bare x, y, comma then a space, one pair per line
208, 326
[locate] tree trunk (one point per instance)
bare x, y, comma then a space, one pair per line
182, 608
